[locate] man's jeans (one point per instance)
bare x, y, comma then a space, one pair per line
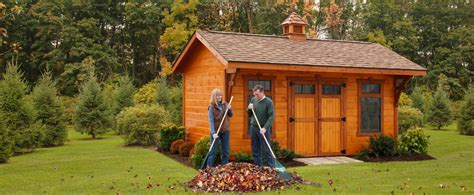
261, 152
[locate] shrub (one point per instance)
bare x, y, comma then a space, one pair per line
409, 117
168, 134
466, 114
243, 157
141, 124
439, 113
196, 160
282, 153
404, 100
175, 146
5, 144
185, 148
146, 94
382, 146
17, 111
49, 112
91, 116
201, 148
413, 142
363, 154
191, 152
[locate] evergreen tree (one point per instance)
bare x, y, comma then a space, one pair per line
123, 94
17, 112
91, 111
417, 100
439, 113
49, 111
5, 144
466, 119
163, 93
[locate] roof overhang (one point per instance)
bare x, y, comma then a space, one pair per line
197, 37
328, 69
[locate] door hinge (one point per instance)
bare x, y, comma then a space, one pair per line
343, 85
343, 151
343, 119
291, 119
292, 83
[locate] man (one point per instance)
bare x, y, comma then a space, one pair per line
263, 108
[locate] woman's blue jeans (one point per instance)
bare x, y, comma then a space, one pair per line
224, 140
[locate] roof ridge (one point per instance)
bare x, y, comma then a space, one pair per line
246, 34
281, 36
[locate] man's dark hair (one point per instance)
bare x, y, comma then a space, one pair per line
258, 87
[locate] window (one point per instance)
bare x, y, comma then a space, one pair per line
269, 93
331, 89
304, 89
370, 106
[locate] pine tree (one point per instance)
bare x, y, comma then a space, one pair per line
466, 119
17, 112
91, 111
417, 100
123, 94
49, 111
163, 94
5, 144
440, 114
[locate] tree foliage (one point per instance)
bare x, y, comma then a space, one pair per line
49, 111
91, 112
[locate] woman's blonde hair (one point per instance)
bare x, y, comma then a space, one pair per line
215, 92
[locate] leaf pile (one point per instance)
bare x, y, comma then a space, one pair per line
239, 177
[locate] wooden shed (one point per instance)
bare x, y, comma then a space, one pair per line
330, 96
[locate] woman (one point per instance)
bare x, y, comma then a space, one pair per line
216, 110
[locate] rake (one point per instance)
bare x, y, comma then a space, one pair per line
278, 166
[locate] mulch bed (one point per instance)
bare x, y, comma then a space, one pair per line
417, 157
183, 160
242, 177
187, 160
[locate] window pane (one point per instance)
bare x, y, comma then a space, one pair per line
371, 114
371, 88
266, 84
331, 90
303, 89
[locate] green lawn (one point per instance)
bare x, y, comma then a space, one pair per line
105, 166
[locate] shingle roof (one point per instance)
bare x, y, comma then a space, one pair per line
294, 18
254, 48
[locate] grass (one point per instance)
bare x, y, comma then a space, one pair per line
105, 166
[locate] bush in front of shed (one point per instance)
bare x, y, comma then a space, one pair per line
382, 145
174, 149
409, 117
201, 148
242, 157
413, 141
185, 148
141, 124
168, 134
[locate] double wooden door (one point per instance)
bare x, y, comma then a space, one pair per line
316, 117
